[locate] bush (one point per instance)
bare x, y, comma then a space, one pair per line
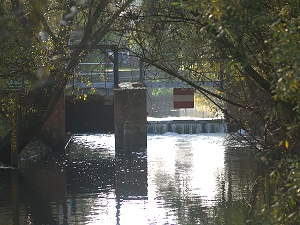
283, 185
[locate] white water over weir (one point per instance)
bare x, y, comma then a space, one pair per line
186, 125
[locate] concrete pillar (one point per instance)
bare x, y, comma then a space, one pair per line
128, 136
130, 109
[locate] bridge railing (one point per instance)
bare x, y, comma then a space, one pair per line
17, 82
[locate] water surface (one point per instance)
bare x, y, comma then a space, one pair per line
181, 179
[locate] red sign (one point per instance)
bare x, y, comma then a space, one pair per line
183, 98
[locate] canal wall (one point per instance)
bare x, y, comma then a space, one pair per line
53, 133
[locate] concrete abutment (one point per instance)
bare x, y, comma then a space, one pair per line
130, 110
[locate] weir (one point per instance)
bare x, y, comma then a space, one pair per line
186, 125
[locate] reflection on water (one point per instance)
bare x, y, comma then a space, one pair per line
182, 179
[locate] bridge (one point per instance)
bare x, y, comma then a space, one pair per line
96, 112
103, 82
105, 106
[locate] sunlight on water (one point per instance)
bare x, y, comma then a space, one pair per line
208, 163
103, 210
95, 141
192, 161
178, 167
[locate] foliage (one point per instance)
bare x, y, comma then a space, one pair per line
244, 47
38, 40
248, 49
161, 92
252, 46
283, 185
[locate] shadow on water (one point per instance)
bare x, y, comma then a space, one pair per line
49, 190
36, 189
65, 189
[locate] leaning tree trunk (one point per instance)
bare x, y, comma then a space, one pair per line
44, 100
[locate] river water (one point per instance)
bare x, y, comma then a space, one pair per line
181, 179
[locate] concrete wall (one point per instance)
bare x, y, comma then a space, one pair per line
130, 109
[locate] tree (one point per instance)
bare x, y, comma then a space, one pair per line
36, 41
250, 47
253, 46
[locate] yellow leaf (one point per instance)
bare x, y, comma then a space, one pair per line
286, 144
84, 97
